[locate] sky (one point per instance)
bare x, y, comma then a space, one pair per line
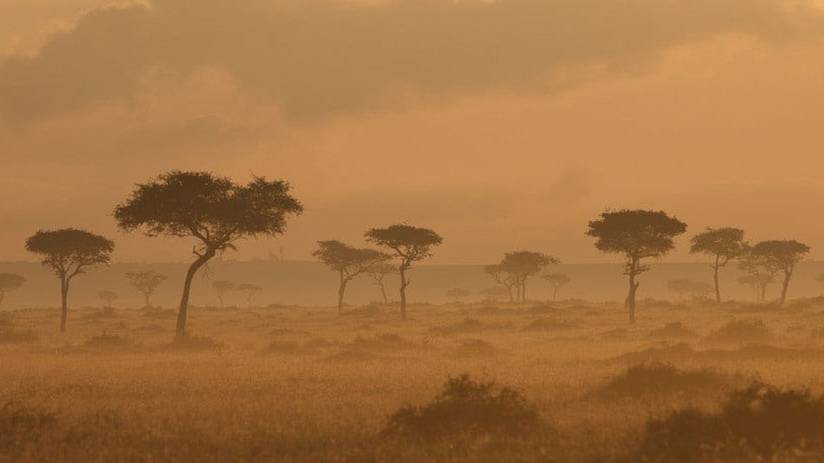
502, 125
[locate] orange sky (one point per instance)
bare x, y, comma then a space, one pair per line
502, 125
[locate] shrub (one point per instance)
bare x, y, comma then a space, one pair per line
673, 330
740, 331
469, 409
759, 422
658, 378
549, 324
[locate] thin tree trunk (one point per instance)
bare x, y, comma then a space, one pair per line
555, 293
147, 299
64, 303
763, 293
785, 286
183, 310
341, 291
511, 296
715, 278
383, 292
630, 303
403, 291
523, 291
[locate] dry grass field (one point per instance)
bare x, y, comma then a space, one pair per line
301, 384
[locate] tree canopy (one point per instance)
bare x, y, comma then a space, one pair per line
782, 255
10, 281
723, 245
348, 261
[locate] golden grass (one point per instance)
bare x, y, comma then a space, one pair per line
130, 397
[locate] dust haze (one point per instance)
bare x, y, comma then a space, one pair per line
398, 230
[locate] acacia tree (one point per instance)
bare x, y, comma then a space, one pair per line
9, 282
723, 245
503, 278
557, 281
250, 290
409, 244
348, 261
458, 293
758, 282
213, 210
378, 272
783, 255
524, 264
108, 298
637, 234
760, 272
146, 283
222, 287
69, 253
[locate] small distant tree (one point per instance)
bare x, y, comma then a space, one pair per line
378, 272
494, 293
9, 282
689, 288
458, 293
213, 210
409, 244
250, 290
638, 235
723, 245
759, 283
69, 253
108, 298
222, 287
783, 255
348, 261
524, 264
557, 281
504, 278
146, 283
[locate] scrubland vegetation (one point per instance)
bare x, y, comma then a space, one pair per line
568, 381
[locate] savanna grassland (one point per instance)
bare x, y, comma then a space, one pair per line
304, 384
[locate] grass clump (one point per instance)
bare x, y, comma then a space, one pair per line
673, 330
21, 425
468, 408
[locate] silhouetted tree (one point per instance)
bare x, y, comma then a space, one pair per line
108, 297
348, 261
637, 234
146, 283
9, 282
458, 293
684, 287
723, 245
557, 281
495, 292
250, 290
214, 210
524, 264
409, 244
378, 272
502, 276
783, 255
222, 287
69, 252
758, 282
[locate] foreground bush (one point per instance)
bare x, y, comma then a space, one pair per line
469, 409
759, 423
658, 378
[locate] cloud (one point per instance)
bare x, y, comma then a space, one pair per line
315, 59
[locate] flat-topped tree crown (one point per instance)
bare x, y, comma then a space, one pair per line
69, 252
723, 245
214, 210
348, 261
524, 264
783, 255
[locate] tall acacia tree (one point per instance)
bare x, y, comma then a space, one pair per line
783, 255
9, 282
524, 264
213, 210
348, 261
637, 234
502, 276
146, 283
722, 245
69, 253
409, 244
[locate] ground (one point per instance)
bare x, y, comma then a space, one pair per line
305, 384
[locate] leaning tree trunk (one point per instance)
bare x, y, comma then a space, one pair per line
64, 303
784, 287
404, 284
630, 302
183, 310
341, 291
383, 292
715, 279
